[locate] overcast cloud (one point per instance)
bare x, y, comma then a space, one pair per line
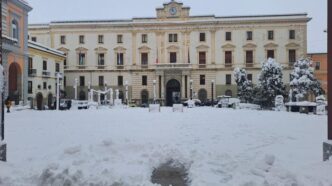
45, 11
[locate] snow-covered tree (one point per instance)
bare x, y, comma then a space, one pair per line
244, 86
303, 81
270, 83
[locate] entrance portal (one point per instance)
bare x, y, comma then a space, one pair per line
39, 99
14, 82
173, 92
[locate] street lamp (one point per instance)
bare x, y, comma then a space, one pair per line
58, 76
105, 93
212, 91
154, 91
3, 146
126, 84
191, 89
75, 87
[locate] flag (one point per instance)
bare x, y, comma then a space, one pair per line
188, 55
157, 56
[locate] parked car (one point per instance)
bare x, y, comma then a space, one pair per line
197, 102
65, 104
228, 102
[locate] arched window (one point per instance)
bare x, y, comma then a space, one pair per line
202, 95
229, 93
15, 29
145, 96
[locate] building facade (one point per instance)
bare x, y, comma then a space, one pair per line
186, 55
320, 65
15, 48
43, 66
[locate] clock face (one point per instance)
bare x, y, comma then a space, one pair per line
172, 10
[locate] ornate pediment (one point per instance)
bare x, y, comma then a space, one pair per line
120, 49
271, 45
100, 49
249, 45
203, 47
173, 48
292, 45
228, 46
63, 49
144, 48
81, 49
173, 9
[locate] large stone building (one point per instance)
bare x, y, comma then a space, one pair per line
173, 48
15, 48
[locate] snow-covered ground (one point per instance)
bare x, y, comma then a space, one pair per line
122, 147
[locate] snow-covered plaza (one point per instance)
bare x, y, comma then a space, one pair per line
121, 147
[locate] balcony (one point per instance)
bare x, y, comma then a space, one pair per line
120, 67
202, 66
81, 66
144, 66
249, 65
174, 66
228, 65
46, 74
32, 72
101, 66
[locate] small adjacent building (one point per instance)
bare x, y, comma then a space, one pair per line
43, 66
320, 66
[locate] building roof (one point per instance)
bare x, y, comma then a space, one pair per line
192, 19
43, 48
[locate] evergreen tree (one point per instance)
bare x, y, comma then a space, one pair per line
244, 86
270, 83
303, 81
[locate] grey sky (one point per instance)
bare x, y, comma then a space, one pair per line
54, 10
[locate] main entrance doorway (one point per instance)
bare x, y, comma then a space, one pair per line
173, 92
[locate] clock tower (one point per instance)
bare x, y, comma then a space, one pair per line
173, 9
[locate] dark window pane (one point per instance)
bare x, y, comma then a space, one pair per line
202, 58
173, 57
202, 79
202, 37
228, 79
144, 80
270, 34
228, 57
249, 56
228, 36
249, 35
144, 58
249, 77
292, 56
119, 60
292, 34
44, 65
270, 54
101, 80
317, 66
82, 81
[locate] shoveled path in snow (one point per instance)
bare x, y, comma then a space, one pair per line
122, 147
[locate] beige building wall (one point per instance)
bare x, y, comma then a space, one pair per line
187, 48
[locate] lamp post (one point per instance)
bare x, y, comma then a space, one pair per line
154, 91
126, 84
75, 87
105, 93
58, 76
3, 146
191, 89
212, 91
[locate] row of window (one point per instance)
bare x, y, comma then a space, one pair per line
249, 57
30, 65
101, 81
173, 38
44, 87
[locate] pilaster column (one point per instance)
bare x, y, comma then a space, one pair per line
213, 46
134, 34
6, 72
162, 47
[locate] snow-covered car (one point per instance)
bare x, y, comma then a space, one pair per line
228, 102
65, 104
197, 102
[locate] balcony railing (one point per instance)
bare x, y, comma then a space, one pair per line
101, 66
144, 66
202, 66
249, 65
32, 72
174, 65
120, 67
228, 65
46, 74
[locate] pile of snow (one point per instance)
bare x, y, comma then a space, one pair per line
122, 147
301, 103
249, 106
